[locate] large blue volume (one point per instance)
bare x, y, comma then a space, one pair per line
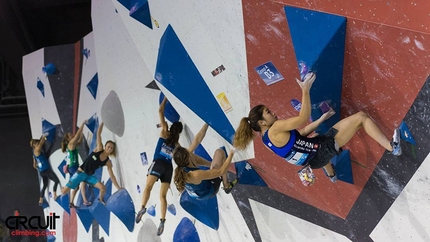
206, 211
319, 43
176, 71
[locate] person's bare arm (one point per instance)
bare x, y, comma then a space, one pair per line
314, 125
77, 138
198, 138
112, 175
38, 147
305, 111
199, 175
99, 143
164, 126
34, 163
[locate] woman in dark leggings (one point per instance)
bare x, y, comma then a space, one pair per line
41, 163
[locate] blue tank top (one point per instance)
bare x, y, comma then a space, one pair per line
42, 162
299, 150
201, 191
163, 151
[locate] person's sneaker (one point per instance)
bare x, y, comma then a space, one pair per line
71, 205
395, 143
87, 203
140, 214
231, 185
161, 227
332, 178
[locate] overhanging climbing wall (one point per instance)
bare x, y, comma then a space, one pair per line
215, 60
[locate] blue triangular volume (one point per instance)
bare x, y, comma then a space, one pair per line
189, 86
125, 3
186, 232
319, 43
140, 11
63, 201
405, 134
101, 214
40, 86
85, 216
121, 204
93, 125
200, 151
93, 85
169, 111
48, 127
247, 175
206, 211
342, 164
60, 168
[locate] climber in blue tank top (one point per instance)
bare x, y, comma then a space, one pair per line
41, 163
198, 183
161, 167
286, 139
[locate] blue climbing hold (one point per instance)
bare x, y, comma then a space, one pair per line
169, 111
405, 134
48, 127
125, 3
151, 211
140, 11
63, 201
319, 44
206, 211
86, 52
342, 164
85, 216
172, 209
247, 175
93, 85
60, 168
40, 86
49, 69
101, 214
186, 232
121, 204
50, 237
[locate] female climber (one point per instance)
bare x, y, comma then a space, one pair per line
98, 158
69, 145
198, 183
284, 138
161, 167
41, 163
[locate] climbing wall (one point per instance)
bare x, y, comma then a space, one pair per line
214, 61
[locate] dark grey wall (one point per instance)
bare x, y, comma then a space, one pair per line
19, 184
